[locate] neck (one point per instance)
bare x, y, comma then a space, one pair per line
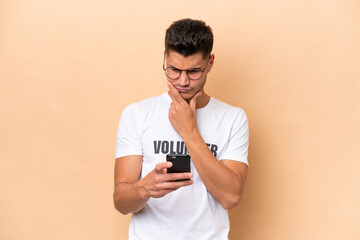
202, 101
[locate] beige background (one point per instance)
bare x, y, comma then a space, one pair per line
68, 69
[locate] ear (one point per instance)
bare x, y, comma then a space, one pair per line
211, 62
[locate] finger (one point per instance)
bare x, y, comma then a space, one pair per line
167, 187
172, 106
174, 94
172, 90
173, 185
163, 165
177, 176
161, 193
194, 100
172, 110
171, 177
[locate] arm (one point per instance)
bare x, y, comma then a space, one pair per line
127, 196
225, 179
131, 194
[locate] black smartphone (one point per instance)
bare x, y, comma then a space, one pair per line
181, 164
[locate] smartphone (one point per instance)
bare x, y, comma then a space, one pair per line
181, 163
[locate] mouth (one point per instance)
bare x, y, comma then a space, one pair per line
182, 90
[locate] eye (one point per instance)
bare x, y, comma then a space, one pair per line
195, 70
174, 69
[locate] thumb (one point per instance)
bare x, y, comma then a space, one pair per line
193, 101
160, 167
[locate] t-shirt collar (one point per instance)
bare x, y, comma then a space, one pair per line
169, 100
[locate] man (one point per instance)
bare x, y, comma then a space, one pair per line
183, 120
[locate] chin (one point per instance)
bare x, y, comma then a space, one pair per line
187, 96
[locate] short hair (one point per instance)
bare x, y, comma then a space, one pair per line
188, 36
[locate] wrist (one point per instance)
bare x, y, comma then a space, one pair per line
192, 136
141, 190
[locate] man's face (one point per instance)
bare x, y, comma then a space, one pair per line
186, 86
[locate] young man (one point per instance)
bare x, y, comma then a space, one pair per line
184, 120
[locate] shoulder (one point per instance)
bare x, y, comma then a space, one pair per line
228, 110
146, 105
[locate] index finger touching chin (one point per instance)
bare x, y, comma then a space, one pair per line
174, 94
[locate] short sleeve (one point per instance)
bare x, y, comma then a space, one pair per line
237, 148
128, 140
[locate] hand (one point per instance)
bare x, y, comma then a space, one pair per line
158, 182
182, 115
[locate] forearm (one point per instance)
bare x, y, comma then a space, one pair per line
222, 182
129, 198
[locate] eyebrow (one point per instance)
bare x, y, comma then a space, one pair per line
189, 69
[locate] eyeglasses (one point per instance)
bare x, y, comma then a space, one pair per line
174, 73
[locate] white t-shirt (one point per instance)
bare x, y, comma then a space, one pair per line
190, 212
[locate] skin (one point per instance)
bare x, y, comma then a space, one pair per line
224, 179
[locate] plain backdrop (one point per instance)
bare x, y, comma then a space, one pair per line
69, 68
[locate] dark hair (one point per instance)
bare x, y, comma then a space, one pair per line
188, 36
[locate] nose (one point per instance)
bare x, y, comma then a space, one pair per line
184, 79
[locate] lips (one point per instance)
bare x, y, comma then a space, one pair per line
181, 90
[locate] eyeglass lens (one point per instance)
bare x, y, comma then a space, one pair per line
174, 73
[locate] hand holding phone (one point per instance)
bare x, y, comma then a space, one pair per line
181, 164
